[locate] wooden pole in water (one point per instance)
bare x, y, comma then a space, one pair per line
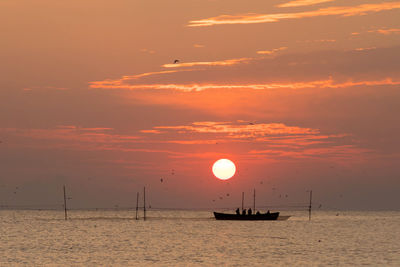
254, 201
144, 203
65, 204
137, 204
242, 200
309, 207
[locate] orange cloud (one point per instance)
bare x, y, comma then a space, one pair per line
265, 18
145, 50
121, 82
365, 48
270, 52
329, 83
39, 88
245, 130
196, 140
273, 140
226, 62
318, 41
296, 3
386, 31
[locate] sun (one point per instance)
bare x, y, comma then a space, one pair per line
224, 169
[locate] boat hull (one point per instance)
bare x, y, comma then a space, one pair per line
254, 217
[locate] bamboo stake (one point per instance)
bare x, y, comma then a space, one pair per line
309, 207
144, 203
65, 204
137, 204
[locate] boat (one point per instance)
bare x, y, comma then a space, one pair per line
269, 216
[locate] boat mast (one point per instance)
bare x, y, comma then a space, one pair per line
254, 201
242, 200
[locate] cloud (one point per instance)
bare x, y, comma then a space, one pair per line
273, 140
328, 83
297, 3
322, 69
383, 31
270, 52
227, 62
239, 129
149, 51
188, 140
266, 18
386, 31
365, 48
43, 88
318, 41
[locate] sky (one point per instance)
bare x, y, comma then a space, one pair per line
301, 95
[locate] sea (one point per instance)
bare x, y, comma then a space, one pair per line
195, 238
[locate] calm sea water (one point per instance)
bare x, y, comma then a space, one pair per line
182, 238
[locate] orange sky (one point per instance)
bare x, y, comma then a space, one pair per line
300, 94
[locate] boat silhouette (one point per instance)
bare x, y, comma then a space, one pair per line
269, 216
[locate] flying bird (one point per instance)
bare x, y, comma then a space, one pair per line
176, 61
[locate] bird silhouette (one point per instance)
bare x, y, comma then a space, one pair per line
176, 61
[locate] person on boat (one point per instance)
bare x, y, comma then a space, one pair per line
268, 212
244, 212
237, 211
258, 212
249, 212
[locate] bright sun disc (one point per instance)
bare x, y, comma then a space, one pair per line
224, 169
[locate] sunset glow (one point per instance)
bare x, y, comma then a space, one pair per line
111, 97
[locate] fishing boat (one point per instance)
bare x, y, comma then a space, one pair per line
269, 216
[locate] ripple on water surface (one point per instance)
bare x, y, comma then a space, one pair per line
194, 238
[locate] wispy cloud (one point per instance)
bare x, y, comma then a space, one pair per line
296, 3
122, 81
328, 83
149, 51
227, 62
386, 31
41, 88
239, 129
273, 51
266, 18
383, 31
365, 48
318, 41
72, 137
272, 139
